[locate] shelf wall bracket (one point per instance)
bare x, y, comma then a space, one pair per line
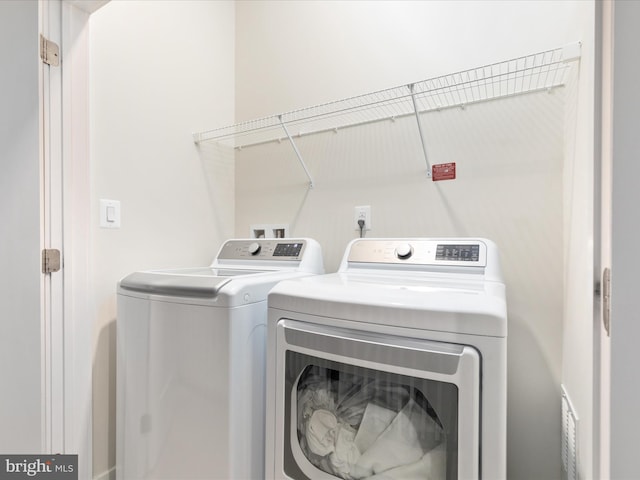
297, 152
416, 111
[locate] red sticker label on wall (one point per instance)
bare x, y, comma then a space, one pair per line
443, 171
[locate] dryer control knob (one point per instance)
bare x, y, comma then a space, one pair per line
404, 251
254, 248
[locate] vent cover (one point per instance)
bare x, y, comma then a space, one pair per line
569, 438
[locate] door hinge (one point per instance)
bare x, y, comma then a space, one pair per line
606, 300
50, 260
49, 52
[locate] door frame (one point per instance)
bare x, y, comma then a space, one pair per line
67, 327
603, 237
51, 217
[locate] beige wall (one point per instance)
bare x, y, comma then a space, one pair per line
159, 71
510, 155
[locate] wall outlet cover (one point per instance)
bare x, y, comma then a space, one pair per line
362, 213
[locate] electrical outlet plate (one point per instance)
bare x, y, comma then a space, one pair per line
362, 213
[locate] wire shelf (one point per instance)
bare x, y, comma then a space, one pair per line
540, 71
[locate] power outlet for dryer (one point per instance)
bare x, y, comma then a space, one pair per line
362, 213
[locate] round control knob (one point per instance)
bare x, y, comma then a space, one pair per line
404, 251
254, 248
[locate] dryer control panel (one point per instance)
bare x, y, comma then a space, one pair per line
417, 251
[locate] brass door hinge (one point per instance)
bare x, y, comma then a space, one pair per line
49, 52
50, 260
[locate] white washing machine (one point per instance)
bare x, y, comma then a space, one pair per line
191, 362
392, 368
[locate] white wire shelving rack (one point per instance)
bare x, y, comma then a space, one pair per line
536, 72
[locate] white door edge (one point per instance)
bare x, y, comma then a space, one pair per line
51, 217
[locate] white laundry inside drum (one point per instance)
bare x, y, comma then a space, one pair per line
356, 427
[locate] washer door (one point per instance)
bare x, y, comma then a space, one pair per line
353, 404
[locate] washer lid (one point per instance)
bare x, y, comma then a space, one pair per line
185, 282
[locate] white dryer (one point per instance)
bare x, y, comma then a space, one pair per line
191, 362
392, 368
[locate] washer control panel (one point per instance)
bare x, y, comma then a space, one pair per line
262, 249
445, 252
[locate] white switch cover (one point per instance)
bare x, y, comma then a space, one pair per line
109, 213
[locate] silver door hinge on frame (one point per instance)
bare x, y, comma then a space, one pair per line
49, 52
50, 260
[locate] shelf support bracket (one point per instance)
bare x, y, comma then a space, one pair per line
420, 130
297, 152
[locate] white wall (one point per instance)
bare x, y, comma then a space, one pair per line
20, 339
294, 54
578, 340
510, 154
159, 71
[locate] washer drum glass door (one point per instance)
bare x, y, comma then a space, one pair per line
356, 405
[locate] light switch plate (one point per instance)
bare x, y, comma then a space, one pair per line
109, 213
